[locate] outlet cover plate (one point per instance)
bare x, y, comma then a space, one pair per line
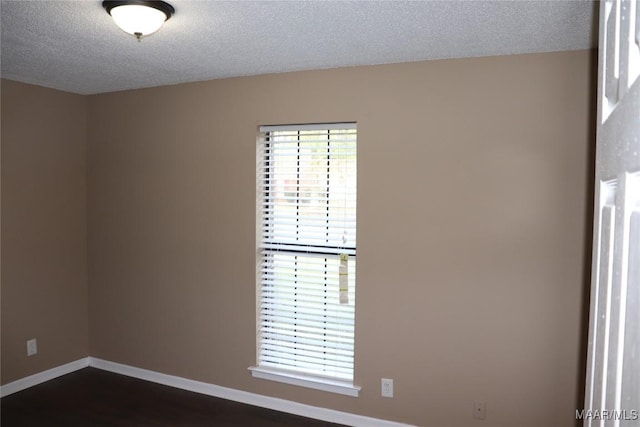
32, 347
387, 387
479, 409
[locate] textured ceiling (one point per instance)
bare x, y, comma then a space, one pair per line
76, 47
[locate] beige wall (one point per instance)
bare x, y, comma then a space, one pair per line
44, 233
472, 206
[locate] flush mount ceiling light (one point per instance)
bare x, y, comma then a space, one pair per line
139, 18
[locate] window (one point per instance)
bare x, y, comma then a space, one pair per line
306, 209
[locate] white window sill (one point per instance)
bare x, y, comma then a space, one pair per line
324, 384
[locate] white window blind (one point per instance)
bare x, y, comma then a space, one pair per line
307, 221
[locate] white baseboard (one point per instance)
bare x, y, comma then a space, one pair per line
273, 403
41, 377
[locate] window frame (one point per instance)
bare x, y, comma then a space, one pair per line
291, 376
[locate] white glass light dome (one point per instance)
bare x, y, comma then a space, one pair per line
139, 18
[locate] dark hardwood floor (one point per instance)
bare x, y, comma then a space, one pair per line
94, 398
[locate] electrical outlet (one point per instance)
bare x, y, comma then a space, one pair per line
387, 387
479, 410
32, 347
